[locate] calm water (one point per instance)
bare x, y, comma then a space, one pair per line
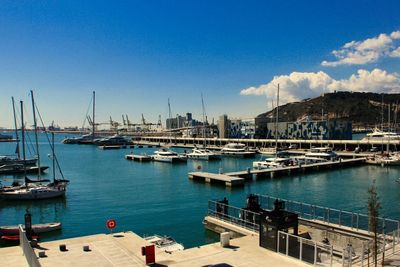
157, 197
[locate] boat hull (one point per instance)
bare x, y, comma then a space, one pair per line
25, 195
36, 228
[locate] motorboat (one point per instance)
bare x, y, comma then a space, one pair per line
272, 151
113, 141
270, 163
379, 135
20, 169
5, 160
384, 159
84, 139
5, 137
36, 228
166, 243
203, 154
166, 155
237, 150
322, 152
304, 160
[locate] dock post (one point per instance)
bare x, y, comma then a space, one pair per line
207, 180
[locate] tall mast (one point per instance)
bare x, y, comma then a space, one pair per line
169, 114
23, 135
36, 133
54, 157
276, 123
204, 121
16, 128
382, 113
94, 106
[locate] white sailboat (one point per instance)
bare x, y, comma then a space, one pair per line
35, 189
203, 153
166, 155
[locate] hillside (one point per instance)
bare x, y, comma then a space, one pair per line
363, 109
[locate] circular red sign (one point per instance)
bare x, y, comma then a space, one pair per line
111, 224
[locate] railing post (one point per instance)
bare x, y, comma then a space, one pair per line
279, 239
340, 218
329, 215
301, 248
362, 253
315, 253
358, 216
331, 252
352, 215
287, 244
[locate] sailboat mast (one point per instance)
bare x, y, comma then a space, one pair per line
93, 122
16, 128
276, 123
54, 157
23, 136
204, 121
36, 133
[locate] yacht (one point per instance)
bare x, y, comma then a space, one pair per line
84, 139
272, 151
203, 154
270, 163
113, 140
166, 155
166, 243
322, 152
237, 150
384, 159
379, 135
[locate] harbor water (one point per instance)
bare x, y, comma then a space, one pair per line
158, 198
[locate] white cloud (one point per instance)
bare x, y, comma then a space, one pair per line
367, 51
300, 85
395, 53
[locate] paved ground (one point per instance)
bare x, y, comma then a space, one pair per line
124, 249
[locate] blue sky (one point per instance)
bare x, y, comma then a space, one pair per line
137, 54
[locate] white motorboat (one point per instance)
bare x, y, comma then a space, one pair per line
379, 135
273, 151
237, 150
322, 152
384, 159
166, 243
203, 154
166, 155
270, 163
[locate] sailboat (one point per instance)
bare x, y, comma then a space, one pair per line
14, 165
274, 161
35, 189
203, 153
90, 138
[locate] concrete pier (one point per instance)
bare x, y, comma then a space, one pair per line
229, 180
141, 158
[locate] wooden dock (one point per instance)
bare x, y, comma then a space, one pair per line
141, 158
112, 147
214, 177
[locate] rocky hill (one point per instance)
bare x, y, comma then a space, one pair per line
362, 109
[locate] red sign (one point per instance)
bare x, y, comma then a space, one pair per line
111, 224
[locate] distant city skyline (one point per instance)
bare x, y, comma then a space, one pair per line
137, 54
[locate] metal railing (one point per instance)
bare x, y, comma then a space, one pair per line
306, 250
234, 215
27, 249
353, 220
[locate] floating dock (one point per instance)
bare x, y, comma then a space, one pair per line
141, 158
239, 177
213, 177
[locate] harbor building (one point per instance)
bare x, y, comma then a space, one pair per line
305, 130
236, 128
223, 126
181, 121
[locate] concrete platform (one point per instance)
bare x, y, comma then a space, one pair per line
138, 157
210, 177
124, 249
